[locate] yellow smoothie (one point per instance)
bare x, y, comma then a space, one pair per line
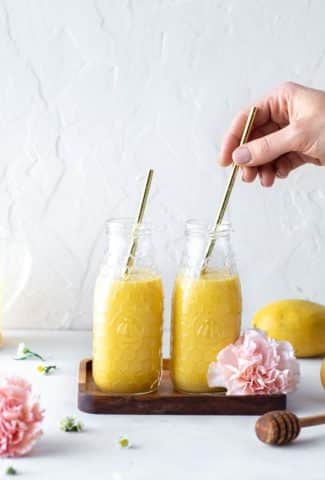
206, 316
127, 333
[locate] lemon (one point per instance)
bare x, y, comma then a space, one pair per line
300, 322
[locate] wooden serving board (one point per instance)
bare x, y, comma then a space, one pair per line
167, 401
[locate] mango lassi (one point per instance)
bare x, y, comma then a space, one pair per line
206, 316
127, 333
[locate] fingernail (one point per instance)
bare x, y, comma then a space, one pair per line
241, 155
281, 174
263, 183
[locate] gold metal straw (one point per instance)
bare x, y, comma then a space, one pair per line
143, 204
230, 185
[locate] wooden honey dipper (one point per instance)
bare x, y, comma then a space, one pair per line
281, 426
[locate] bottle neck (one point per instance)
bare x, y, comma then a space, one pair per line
198, 238
121, 233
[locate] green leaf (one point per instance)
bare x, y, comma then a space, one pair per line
11, 471
49, 368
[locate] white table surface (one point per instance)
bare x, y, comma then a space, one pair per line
164, 447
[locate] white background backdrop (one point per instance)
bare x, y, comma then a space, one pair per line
93, 92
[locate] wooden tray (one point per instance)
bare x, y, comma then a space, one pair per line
167, 401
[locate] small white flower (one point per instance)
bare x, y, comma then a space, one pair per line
24, 352
69, 424
21, 350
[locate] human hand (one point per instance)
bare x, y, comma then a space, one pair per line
289, 131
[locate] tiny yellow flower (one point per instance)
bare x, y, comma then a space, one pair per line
46, 369
124, 442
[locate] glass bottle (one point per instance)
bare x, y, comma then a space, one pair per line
206, 309
128, 314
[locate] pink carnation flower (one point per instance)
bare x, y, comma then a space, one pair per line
20, 417
255, 365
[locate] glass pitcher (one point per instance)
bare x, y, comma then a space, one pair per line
15, 268
128, 314
206, 308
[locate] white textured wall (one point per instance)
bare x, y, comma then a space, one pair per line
93, 92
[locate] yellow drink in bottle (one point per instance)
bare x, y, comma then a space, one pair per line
128, 318
206, 317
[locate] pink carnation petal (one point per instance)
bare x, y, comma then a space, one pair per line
20, 417
255, 364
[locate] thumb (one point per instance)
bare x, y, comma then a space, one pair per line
267, 148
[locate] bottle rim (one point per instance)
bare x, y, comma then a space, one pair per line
126, 224
200, 228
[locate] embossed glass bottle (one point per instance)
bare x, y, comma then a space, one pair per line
128, 314
206, 310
